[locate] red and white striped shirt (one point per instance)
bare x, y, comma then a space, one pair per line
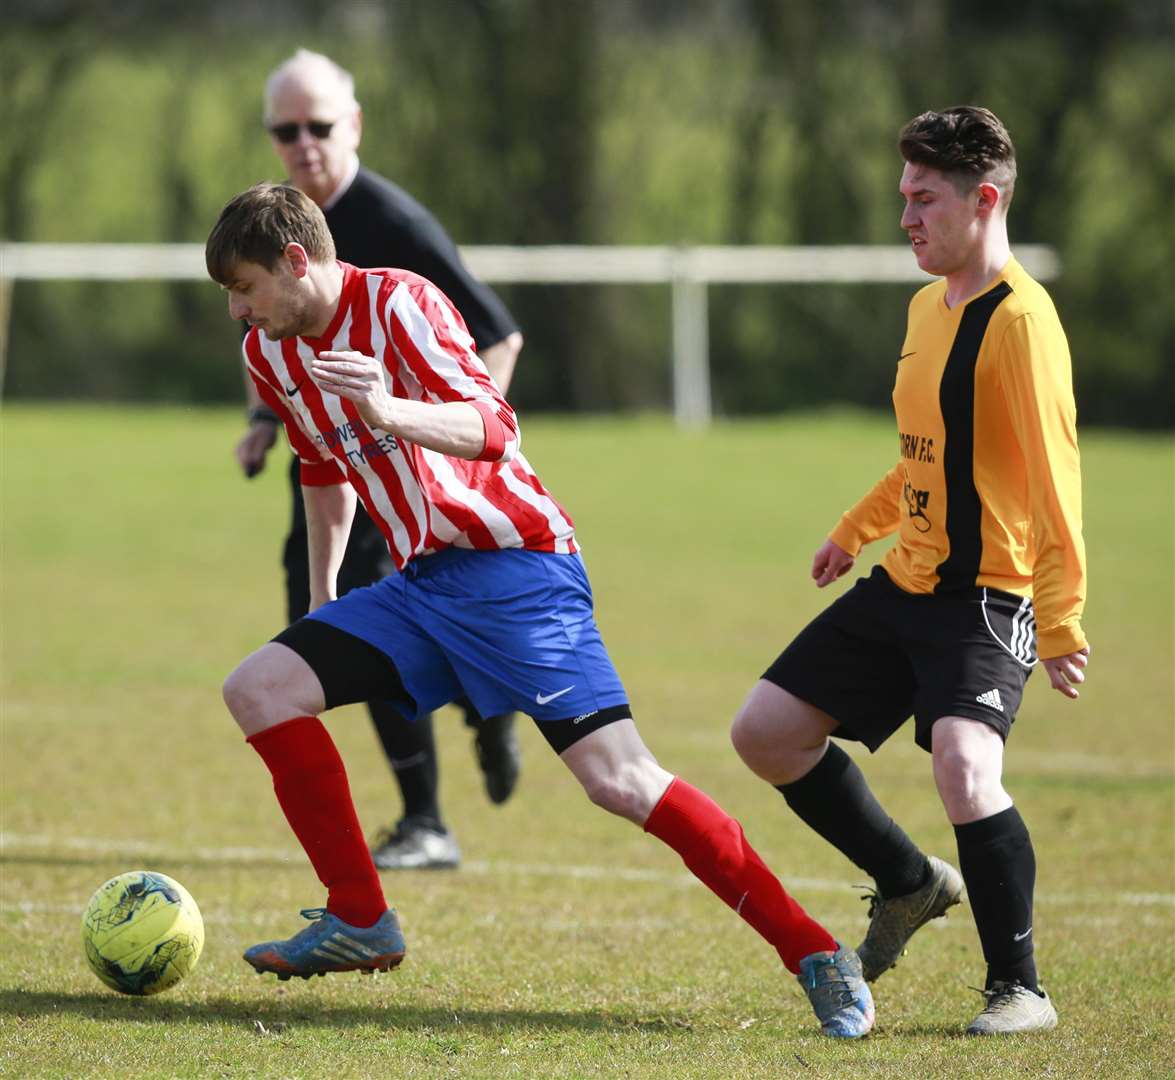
421, 500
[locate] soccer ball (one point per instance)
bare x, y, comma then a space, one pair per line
142, 932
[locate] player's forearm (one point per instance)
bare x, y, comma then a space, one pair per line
1059, 582
481, 426
329, 512
500, 359
454, 428
874, 516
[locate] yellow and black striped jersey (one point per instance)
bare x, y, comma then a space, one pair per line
987, 488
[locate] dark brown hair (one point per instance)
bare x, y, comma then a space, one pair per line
967, 144
258, 224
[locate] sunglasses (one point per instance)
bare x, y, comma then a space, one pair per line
288, 133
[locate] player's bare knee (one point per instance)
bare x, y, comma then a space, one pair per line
752, 737
963, 779
244, 695
605, 791
952, 768
625, 791
258, 697
759, 726
776, 741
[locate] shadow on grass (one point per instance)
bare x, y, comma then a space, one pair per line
275, 1017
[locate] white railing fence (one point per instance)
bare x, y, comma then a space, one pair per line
687, 270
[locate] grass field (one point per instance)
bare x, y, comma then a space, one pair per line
137, 568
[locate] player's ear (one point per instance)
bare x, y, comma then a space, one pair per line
987, 198
297, 258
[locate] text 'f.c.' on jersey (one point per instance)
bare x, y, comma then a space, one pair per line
421, 500
987, 488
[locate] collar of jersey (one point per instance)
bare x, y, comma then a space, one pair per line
1011, 268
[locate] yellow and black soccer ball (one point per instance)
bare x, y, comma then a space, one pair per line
142, 932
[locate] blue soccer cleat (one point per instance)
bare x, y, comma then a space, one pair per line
838, 992
329, 944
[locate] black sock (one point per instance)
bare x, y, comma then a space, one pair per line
473, 718
412, 754
999, 868
834, 799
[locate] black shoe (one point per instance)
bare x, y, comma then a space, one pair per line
892, 922
499, 756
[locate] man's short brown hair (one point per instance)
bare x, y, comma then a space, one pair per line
967, 144
257, 225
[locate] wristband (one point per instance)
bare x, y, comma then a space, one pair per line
263, 413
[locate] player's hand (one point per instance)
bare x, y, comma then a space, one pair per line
1066, 673
357, 378
830, 562
254, 445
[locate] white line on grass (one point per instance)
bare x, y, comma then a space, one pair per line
143, 848
227, 916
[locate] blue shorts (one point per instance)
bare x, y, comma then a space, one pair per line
513, 630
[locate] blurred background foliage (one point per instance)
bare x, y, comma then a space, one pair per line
601, 122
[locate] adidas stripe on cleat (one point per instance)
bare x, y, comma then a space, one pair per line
329, 944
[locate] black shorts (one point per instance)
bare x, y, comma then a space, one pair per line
879, 654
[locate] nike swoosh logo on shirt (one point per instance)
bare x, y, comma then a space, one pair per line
291, 391
904, 355
542, 699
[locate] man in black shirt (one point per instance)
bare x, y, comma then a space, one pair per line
315, 124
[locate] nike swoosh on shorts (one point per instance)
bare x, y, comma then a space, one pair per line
542, 699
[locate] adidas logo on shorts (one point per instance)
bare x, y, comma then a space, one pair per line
992, 699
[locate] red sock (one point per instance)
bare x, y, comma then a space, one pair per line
311, 786
711, 843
